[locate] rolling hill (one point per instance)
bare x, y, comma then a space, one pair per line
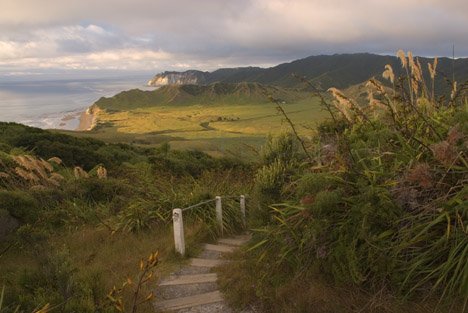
242, 93
324, 71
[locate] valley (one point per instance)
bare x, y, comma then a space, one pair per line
220, 119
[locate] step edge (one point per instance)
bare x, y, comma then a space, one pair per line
163, 305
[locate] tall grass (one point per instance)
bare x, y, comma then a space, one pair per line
383, 204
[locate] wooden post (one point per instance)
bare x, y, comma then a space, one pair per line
179, 240
219, 213
242, 208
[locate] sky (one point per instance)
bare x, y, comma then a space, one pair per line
89, 36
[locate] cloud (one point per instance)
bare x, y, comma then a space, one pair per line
121, 59
210, 33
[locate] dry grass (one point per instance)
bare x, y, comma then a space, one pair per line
212, 128
105, 259
246, 285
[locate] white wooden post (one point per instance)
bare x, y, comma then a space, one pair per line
219, 213
242, 208
179, 240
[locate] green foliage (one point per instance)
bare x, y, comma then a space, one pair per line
93, 189
282, 148
244, 93
312, 183
140, 215
20, 204
55, 282
270, 178
387, 207
73, 151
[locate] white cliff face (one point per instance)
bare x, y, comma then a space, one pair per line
178, 78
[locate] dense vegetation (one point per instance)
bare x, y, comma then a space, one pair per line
216, 93
369, 215
372, 212
77, 214
325, 71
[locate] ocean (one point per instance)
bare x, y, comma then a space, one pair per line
58, 103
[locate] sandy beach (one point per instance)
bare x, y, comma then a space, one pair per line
86, 120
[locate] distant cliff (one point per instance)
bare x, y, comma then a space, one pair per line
191, 77
323, 71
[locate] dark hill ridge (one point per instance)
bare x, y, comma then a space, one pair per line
324, 71
215, 93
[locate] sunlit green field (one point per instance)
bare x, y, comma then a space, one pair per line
216, 129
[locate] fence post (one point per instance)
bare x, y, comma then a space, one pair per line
242, 208
179, 240
219, 213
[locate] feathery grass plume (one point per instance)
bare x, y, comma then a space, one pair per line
454, 135
404, 64
433, 68
23, 161
46, 165
414, 86
101, 172
454, 90
55, 179
22, 173
418, 71
341, 103
444, 152
410, 60
80, 173
421, 174
421, 79
374, 103
40, 170
432, 72
401, 55
34, 163
33, 177
55, 160
53, 182
416, 74
375, 84
38, 188
388, 73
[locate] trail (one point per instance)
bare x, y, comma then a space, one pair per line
193, 288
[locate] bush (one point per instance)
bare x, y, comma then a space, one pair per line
283, 147
56, 283
97, 190
388, 207
20, 205
270, 179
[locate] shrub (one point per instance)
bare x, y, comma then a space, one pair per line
270, 179
55, 282
283, 147
20, 205
389, 207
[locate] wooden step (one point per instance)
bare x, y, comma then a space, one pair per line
219, 248
190, 279
232, 241
205, 262
187, 302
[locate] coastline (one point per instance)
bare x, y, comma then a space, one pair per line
87, 120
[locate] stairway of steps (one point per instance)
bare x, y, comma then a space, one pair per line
194, 288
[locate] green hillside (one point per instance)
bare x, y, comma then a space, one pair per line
338, 70
242, 93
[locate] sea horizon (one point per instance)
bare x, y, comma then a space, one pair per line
55, 103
